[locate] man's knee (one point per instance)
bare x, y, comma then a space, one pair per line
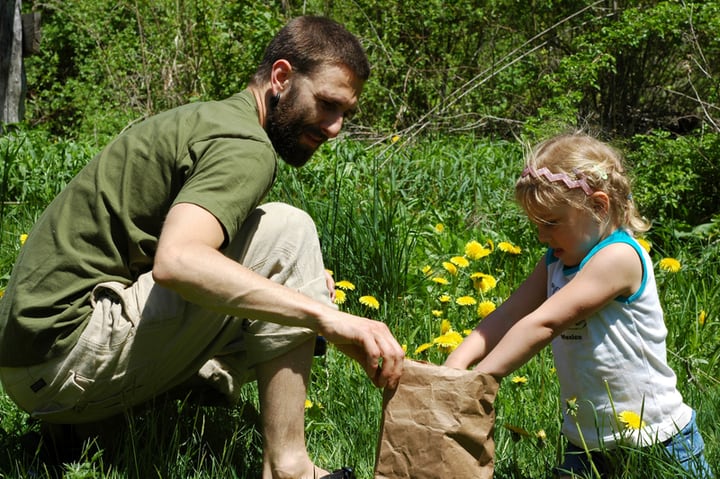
288, 219
285, 231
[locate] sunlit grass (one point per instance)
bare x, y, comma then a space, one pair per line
424, 237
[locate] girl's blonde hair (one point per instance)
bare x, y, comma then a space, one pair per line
567, 169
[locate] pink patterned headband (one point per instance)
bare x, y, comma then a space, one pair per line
570, 183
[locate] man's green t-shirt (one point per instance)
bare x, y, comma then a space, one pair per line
104, 226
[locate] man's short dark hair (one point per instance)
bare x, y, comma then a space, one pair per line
308, 43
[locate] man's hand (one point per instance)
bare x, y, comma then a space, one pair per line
371, 344
382, 371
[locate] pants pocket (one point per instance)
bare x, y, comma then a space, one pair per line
66, 400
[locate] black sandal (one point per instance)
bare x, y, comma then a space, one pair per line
344, 473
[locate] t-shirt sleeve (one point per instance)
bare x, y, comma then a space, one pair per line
229, 177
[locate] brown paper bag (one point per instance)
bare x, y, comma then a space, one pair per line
438, 423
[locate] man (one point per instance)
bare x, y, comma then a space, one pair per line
156, 268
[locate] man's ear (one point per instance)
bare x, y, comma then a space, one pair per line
280, 75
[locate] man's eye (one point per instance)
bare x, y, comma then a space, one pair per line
327, 105
349, 115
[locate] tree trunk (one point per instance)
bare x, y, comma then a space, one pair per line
12, 78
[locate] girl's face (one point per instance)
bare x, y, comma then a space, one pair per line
570, 232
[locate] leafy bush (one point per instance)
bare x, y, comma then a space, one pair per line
104, 64
675, 178
486, 67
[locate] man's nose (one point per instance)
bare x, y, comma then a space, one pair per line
332, 126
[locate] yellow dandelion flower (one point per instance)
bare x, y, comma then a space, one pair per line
519, 379
344, 284
483, 282
448, 341
308, 404
340, 296
370, 302
475, 250
445, 298
451, 339
439, 228
450, 268
404, 348
466, 301
467, 332
541, 437
702, 317
330, 272
509, 248
422, 348
460, 261
437, 313
395, 138
440, 280
445, 326
645, 244
23, 238
426, 270
485, 308
631, 420
670, 264
572, 406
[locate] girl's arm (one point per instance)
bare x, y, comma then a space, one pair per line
614, 271
531, 293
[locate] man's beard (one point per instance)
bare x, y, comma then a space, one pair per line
285, 124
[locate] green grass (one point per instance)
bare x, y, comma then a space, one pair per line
377, 209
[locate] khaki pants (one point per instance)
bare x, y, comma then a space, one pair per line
144, 340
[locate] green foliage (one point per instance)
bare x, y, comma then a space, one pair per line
105, 63
419, 66
34, 170
641, 73
675, 178
375, 208
8, 153
491, 67
40, 167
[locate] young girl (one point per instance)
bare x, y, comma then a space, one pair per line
593, 297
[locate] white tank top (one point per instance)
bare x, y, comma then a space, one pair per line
617, 353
